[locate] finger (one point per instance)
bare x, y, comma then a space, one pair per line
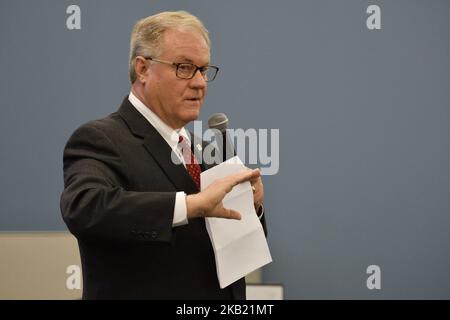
246, 175
256, 181
231, 214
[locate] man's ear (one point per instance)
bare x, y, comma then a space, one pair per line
141, 68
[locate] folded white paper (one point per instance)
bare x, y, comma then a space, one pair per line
240, 246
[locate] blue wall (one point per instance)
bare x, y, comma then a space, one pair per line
363, 117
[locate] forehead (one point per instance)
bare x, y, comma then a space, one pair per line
187, 45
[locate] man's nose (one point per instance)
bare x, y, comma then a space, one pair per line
198, 80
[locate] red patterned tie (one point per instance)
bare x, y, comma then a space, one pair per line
192, 165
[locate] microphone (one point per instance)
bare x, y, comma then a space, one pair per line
219, 123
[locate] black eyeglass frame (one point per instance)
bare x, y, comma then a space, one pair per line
202, 70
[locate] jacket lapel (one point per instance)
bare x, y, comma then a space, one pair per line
157, 147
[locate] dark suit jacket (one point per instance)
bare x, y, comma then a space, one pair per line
118, 201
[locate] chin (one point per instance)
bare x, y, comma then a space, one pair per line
189, 117
193, 113
190, 112
193, 116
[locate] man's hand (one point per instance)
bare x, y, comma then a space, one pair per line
208, 203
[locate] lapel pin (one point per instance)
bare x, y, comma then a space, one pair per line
199, 147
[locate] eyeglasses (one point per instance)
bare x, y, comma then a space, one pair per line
188, 70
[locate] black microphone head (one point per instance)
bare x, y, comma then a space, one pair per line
218, 121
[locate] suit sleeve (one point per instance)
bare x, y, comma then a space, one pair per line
95, 205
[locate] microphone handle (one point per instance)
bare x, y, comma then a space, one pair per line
228, 148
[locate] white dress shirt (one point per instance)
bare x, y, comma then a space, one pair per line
171, 136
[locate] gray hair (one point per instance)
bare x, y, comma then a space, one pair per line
147, 34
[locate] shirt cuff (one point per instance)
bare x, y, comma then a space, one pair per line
180, 210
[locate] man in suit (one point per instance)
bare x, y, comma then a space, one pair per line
138, 216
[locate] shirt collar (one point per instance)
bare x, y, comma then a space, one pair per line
169, 134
